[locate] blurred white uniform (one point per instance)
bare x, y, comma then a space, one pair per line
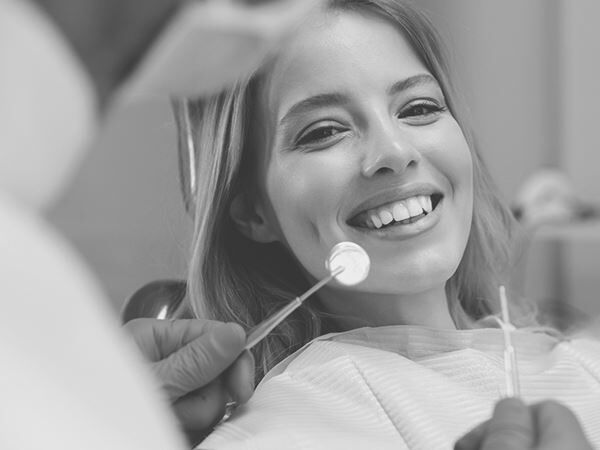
69, 379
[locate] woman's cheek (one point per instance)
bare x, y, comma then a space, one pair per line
306, 195
307, 174
448, 151
295, 197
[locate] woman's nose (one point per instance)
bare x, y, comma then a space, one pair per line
389, 151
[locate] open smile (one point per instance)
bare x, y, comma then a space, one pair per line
399, 218
401, 212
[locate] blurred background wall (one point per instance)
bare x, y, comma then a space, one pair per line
580, 148
124, 211
528, 71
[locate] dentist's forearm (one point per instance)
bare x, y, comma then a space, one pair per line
109, 36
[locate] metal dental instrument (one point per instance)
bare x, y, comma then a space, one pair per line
348, 263
511, 372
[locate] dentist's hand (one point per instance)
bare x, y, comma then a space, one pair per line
515, 426
201, 365
110, 36
212, 40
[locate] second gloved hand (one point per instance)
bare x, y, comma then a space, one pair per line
514, 425
200, 364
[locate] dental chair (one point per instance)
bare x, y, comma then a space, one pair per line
165, 299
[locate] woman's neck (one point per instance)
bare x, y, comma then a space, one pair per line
359, 309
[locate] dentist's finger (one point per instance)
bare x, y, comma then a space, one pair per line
200, 361
157, 339
239, 378
200, 410
510, 428
558, 428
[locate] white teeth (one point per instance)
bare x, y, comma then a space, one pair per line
400, 212
376, 221
425, 202
414, 207
386, 216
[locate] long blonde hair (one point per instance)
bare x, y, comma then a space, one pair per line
234, 279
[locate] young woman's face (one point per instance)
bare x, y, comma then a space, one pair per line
360, 146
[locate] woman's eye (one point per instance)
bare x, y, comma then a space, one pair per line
421, 110
318, 135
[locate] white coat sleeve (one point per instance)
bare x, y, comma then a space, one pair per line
69, 377
47, 108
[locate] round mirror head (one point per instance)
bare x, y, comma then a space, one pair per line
354, 261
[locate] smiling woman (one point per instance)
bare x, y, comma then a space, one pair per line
352, 132
386, 140
354, 122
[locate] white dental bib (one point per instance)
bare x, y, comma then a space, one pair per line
407, 387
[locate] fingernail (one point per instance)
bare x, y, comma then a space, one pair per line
237, 329
227, 338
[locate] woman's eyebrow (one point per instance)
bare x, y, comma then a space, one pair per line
410, 82
314, 102
336, 99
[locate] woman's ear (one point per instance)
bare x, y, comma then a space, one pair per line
250, 219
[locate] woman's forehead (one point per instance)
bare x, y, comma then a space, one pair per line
339, 53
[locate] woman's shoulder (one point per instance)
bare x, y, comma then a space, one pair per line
329, 353
586, 341
317, 352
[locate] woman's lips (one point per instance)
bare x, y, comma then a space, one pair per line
408, 228
408, 196
401, 212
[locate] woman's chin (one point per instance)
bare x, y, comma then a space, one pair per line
433, 276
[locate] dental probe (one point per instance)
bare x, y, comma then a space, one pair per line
511, 372
348, 263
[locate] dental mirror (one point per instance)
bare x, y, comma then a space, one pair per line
354, 261
348, 263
